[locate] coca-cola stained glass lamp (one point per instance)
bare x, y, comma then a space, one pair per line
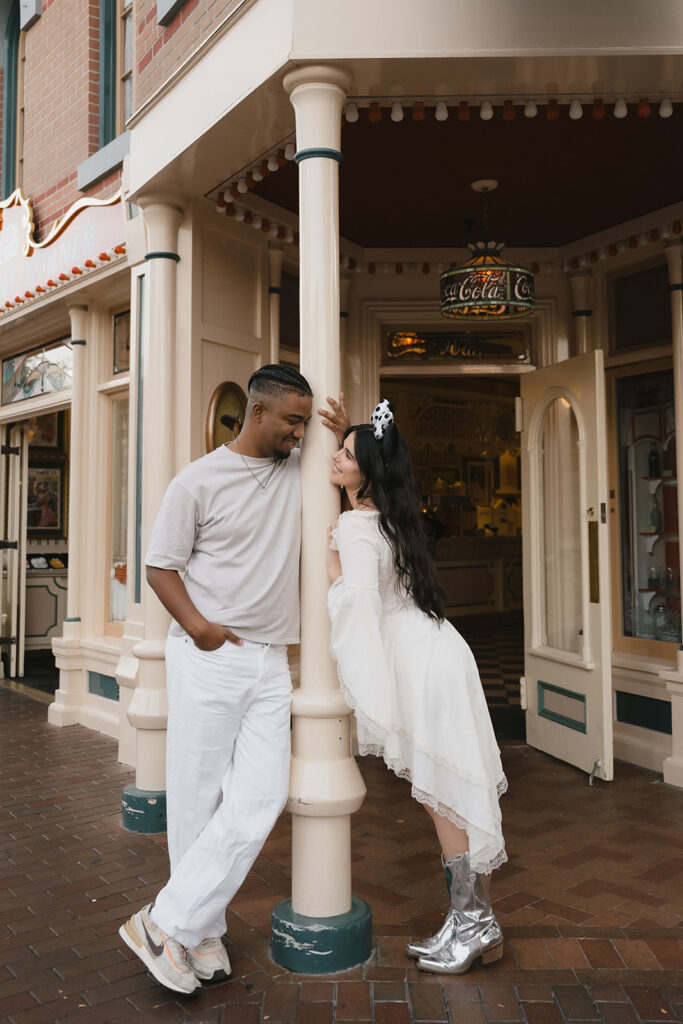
486, 286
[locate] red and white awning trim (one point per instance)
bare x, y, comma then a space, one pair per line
269, 163
287, 235
397, 109
63, 277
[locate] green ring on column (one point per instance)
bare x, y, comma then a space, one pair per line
582, 312
321, 945
163, 256
144, 810
308, 154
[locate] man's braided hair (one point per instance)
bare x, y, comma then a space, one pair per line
276, 379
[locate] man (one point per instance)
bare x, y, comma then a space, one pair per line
231, 522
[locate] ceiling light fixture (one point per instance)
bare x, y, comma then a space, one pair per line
486, 286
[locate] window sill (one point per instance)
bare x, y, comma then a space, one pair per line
104, 161
167, 10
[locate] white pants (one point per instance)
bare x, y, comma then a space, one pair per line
227, 776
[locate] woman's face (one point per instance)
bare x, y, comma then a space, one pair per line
345, 471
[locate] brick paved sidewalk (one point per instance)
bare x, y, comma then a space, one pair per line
591, 900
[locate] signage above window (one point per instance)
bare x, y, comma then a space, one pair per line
461, 346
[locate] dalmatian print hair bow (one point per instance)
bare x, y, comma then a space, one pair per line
381, 418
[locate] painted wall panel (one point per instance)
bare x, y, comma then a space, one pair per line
230, 283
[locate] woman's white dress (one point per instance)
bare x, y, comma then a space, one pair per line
415, 690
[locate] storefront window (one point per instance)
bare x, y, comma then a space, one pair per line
650, 587
118, 526
122, 342
561, 528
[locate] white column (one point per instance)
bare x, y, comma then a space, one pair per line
275, 257
69, 696
673, 766
581, 284
326, 785
144, 803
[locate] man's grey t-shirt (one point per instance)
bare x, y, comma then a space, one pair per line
237, 544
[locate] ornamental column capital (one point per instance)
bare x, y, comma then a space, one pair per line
162, 213
317, 74
317, 94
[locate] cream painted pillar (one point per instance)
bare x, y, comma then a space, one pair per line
67, 649
673, 766
275, 257
144, 804
322, 928
581, 284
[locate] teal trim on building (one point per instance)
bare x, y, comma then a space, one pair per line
645, 712
317, 152
580, 725
144, 810
103, 686
321, 945
9, 102
107, 77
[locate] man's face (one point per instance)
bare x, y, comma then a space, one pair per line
281, 423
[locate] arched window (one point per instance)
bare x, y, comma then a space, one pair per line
10, 66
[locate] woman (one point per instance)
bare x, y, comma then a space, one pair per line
413, 684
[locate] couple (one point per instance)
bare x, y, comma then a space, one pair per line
224, 560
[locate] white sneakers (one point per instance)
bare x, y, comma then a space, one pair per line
209, 960
163, 957
169, 962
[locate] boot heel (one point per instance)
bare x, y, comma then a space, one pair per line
491, 955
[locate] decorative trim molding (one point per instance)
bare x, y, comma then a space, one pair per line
19, 199
163, 256
313, 152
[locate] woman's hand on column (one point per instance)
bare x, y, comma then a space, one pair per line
337, 419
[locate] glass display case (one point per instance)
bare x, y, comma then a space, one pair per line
650, 584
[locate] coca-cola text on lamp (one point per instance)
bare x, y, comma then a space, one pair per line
486, 286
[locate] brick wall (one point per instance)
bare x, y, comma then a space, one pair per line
160, 51
61, 107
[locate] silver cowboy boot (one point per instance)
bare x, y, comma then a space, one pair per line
432, 945
477, 933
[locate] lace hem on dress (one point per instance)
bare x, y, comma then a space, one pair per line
402, 770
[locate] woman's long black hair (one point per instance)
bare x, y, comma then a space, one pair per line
388, 481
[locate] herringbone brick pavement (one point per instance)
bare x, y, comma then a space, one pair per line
591, 900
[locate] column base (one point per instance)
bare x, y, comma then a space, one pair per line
144, 810
672, 770
321, 945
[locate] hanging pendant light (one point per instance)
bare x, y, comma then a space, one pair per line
486, 286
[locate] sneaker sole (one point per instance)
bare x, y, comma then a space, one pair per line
132, 940
219, 975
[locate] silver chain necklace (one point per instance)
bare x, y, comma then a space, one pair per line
262, 486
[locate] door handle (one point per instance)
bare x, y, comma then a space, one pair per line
590, 511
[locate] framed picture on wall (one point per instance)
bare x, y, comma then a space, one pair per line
46, 501
46, 433
225, 415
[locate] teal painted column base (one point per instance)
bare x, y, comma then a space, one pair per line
321, 945
144, 810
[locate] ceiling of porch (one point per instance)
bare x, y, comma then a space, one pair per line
408, 183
